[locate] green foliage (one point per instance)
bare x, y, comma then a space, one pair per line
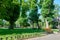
24, 8
47, 8
32, 4
23, 22
40, 3
33, 16
10, 10
56, 10
47, 11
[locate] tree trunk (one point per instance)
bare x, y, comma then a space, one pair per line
48, 29
47, 24
33, 25
38, 25
11, 25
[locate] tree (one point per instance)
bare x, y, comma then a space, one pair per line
34, 16
47, 10
25, 8
23, 16
40, 3
9, 11
56, 15
23, 20
56, 10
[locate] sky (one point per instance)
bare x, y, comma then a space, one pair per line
57, 2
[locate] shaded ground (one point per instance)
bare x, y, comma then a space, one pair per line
48, 37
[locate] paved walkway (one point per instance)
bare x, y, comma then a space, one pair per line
48, 37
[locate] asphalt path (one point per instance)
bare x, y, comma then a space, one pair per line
47, 37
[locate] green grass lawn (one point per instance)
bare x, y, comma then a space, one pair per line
18, 31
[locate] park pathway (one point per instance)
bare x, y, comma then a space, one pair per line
48, 37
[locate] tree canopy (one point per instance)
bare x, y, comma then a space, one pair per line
9, 10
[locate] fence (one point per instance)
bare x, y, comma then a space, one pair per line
20, 36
